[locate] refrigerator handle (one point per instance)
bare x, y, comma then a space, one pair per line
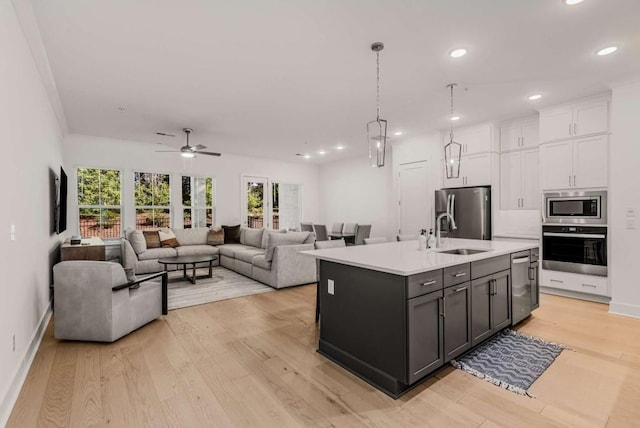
453, 208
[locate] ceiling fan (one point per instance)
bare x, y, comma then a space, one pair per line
188, 151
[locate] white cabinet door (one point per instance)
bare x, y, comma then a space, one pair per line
476, 170
510, 180
591, 117
556, 165
510, 136
590, 162
530, 180
556, 124
474, 140
530, 133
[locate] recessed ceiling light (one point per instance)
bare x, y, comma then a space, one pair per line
455, 118
322, 152
457, 53
307, 156
572, 2
339, 147
606, 51
535, 97
398, 133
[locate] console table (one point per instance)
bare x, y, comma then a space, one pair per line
89, 249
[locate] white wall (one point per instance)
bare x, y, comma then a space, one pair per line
624, 200
130, 156
351, 191
31, 148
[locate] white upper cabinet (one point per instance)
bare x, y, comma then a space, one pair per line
474, 139
475, 170
581, 163
587, 117
519, 134
519, 187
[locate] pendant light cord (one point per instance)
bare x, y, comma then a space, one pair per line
451, 121
378, 85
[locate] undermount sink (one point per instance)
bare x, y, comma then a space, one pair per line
463, 251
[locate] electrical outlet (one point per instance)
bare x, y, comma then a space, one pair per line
330, 287
14, 342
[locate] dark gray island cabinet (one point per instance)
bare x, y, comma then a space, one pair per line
394, 330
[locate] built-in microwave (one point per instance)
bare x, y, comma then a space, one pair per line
589, 207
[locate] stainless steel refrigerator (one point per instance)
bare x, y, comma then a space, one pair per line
471, 210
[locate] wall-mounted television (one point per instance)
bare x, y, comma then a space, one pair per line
61, 202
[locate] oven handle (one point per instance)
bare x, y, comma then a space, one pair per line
574, 235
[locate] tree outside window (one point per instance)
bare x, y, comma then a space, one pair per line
152, 200
197, 201
99, 202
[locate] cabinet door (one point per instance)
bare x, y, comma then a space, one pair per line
457, 320
477, 170
510, 180
556, 124
476, 139
425, 335
530, 133
510, 135
480, 309
590, 164
501, 301
591, 117
530, 180
556, 165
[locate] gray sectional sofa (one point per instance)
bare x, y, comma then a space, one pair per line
270, 257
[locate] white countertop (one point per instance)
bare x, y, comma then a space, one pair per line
404, 258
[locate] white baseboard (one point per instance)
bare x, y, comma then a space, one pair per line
9, 400
575, 294
624, 309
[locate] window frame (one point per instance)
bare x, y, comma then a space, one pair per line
100, 206
151, 207
192, 207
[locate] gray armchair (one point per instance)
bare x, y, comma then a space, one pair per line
321, 232
362, 231
93, 301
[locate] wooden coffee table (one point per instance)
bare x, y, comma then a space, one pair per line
189, 260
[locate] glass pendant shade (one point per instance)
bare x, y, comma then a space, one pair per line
377, 138
452, 153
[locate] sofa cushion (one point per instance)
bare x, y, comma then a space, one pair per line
307, 237
197, 250
231, 234
229, 250
252, 237
278, 239
136, 239
265, 236
152, 238
248, 255
194, 236
157, 253
215, 236
261, 262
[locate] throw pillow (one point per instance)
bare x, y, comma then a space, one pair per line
231, 234
278, 239
152, 238
253, 237
136, 239
168, 238
215, 236
170, 243
265, 236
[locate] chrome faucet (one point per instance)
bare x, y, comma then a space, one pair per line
438, 222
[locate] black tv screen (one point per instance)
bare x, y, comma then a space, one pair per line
61, 224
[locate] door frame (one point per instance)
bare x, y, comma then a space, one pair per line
266, 203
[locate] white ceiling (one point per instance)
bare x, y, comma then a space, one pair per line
261, 78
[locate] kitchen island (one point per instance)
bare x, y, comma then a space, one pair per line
393, 315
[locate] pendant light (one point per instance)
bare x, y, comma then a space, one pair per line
377, 129
453, 150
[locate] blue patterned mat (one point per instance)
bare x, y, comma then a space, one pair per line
510, 360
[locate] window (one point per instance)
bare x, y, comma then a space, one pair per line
287, 205
152, 200
99, 206
197, 201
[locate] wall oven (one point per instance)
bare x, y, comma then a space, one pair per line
575, 207
577, 249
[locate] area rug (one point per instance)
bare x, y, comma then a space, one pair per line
510, 360
225, 284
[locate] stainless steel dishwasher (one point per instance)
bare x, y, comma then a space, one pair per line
521, 286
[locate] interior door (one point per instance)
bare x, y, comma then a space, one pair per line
256, 197
415, 203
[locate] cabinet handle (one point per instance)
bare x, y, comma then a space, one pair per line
574, 181
442, 314
590, 285
532, 273
459, 274
557, 280
569, 181
457, 290
522, 206
429, 282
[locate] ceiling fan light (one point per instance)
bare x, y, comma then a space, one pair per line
188, 154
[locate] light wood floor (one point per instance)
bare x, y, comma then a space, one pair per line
251, 361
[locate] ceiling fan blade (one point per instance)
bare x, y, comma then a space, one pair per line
167, 151
199, 147
209, 153
165, 134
